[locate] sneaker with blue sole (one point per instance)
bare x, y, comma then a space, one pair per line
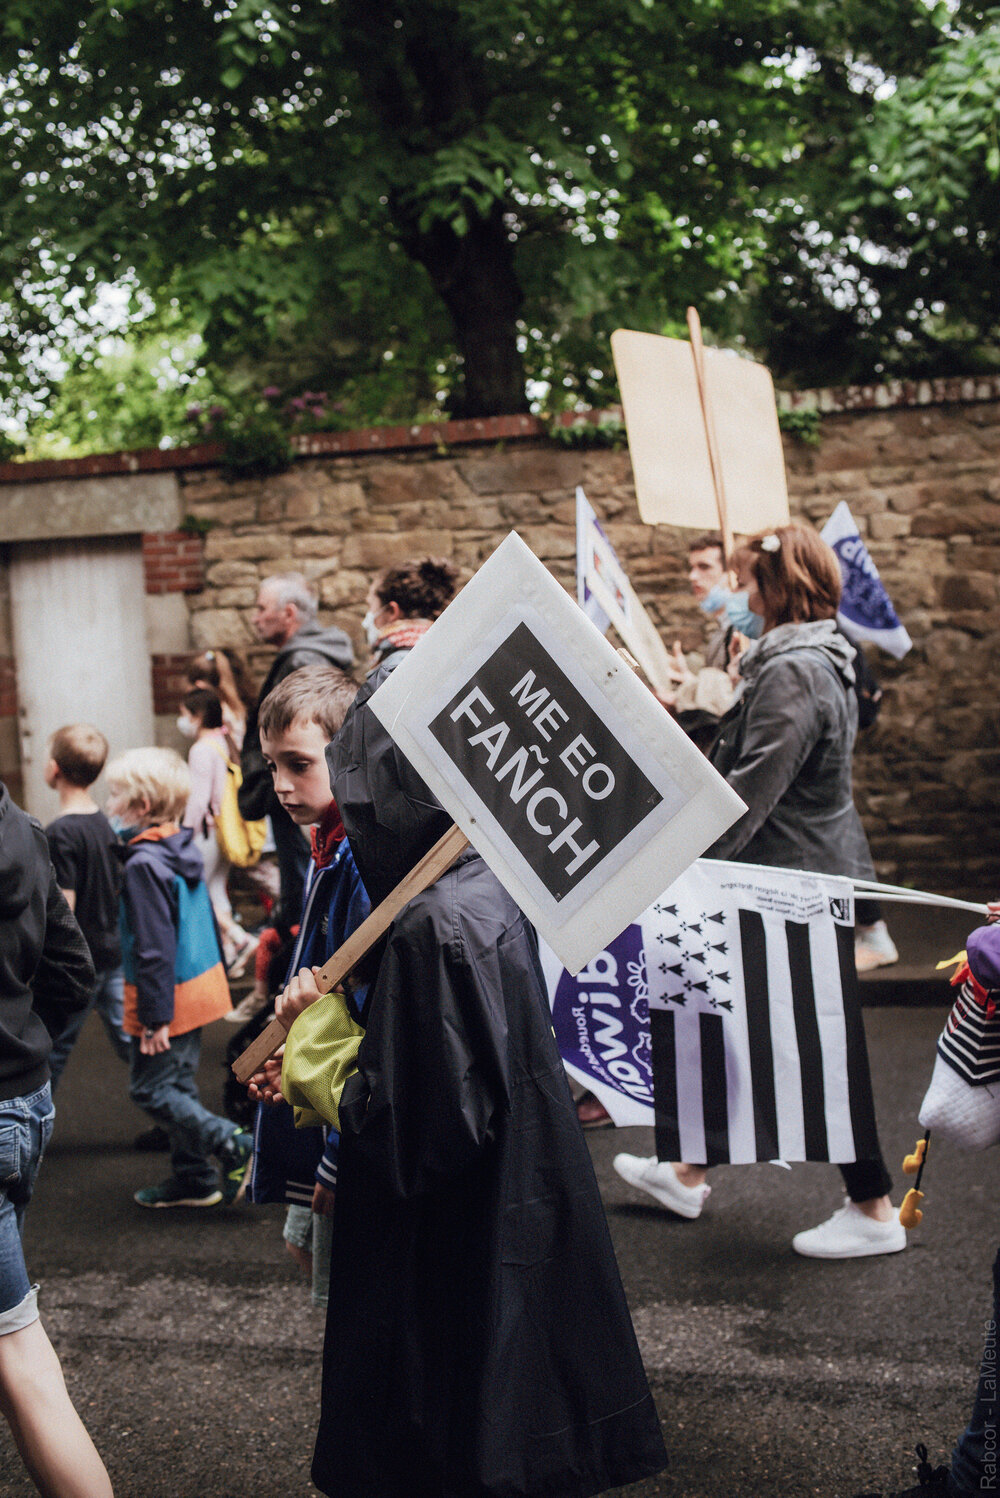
173, 1193
235, 1157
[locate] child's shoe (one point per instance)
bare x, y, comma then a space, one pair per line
173, 1193
235, 1157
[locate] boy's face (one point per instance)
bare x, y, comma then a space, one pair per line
297, 762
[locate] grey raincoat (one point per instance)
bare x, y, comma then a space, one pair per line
785, 746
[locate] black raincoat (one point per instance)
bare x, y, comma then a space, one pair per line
478, 1341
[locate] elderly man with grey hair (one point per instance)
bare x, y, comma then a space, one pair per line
285, 615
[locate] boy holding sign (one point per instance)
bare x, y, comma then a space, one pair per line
472, 1273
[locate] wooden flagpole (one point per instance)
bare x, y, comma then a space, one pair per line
434, 863
714, 459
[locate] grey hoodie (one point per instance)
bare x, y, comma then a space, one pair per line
309, 646
785, 746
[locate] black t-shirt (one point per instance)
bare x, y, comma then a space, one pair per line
85, 857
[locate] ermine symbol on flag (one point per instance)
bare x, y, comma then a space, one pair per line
756, 1043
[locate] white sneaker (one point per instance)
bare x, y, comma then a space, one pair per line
874, 947
851, 1234
659, 1178
245, 1009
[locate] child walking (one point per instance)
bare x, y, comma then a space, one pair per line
297, 721
84, 853
175, 981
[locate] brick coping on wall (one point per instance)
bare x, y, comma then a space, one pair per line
895, 394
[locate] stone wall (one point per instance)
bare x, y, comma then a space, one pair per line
923, 484
919, 467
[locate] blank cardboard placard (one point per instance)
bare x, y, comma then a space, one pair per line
558, 764
666, 435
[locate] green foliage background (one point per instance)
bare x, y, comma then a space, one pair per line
446, 206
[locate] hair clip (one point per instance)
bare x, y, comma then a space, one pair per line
770, 543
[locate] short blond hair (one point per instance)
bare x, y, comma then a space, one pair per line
158, 776
79, 751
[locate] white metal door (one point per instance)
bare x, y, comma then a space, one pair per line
79, 625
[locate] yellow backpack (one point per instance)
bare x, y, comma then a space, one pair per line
240, 842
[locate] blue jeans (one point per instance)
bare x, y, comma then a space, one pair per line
974, 1462
109, 1001
25, 1130
166, 1087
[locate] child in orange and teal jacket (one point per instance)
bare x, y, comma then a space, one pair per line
175, 980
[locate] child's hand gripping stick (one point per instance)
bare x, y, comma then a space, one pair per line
433, 864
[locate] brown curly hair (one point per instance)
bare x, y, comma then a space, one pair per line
422, 587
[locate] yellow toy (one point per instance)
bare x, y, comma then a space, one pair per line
909, 1213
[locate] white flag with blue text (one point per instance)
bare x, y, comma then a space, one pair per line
587, 524
720, 1018
866, 611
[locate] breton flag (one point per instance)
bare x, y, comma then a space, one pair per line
728, 1018
866, 611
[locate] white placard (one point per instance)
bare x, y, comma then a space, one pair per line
559, 765
607, 583
666, 435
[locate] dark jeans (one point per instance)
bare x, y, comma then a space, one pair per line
293, 860
974, 1461
866, 1179
166, 1087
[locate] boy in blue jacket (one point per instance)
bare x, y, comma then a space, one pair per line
297, 720
175, 981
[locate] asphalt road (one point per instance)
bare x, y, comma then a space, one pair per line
192, 1352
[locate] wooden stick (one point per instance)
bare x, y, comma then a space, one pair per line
714, 458
433, 864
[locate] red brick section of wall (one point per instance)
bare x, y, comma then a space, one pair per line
173, 562
170, 682
8, 687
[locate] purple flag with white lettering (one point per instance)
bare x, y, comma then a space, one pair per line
866, 611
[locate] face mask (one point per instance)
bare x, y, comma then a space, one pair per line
122, 828
715, 599
187, 726
370, 628
741, 616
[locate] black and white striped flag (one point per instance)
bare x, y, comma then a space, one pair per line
721, 1017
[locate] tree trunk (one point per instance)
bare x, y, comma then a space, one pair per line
474, 276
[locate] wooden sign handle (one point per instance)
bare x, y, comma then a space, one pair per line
714, 458
434, 863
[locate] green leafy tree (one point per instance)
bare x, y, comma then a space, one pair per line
426, 204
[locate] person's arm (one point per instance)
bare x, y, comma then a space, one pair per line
150, 907
782, 723
64, 861
198, 813
326, 1177
63, 983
